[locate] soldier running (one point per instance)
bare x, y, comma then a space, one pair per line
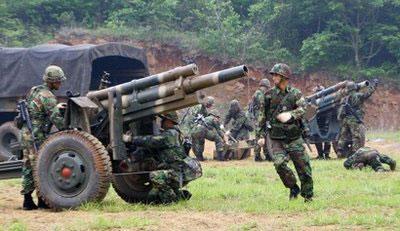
285, 109
366, 156
43, 111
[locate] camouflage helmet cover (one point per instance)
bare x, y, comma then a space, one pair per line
234, 106
173, 116
264, 83
281, 69
54, 74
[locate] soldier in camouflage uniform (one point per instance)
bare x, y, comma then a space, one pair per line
351, 116
323, 148
240, 123
176, 168
187, 122
209, 128
286, 108
258, 110
44, 112
369, 156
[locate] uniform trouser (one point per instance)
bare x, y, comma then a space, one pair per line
257, 148
295, 151
165, 185
351, 131
376, 164
323, 149
28, 185
198, 140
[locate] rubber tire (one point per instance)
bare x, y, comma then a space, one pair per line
128, 188
8, 129
90, 148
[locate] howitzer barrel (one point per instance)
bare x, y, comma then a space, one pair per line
189, 86
149, 81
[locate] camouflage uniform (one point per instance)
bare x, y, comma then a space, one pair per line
187, 122
43, 110
258, 103
208, 128
177, 169
351, 121
286, 138
368, 156
240, 123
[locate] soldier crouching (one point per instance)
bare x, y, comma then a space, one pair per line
285, 109
176, 168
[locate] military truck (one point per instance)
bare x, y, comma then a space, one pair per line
22, 68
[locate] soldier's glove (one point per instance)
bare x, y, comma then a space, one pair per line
285, 117
261, 142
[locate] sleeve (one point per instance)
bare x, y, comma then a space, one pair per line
238, 124
300, 110
49, 103
217, 126
227, 118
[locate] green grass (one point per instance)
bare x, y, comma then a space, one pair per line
389, 136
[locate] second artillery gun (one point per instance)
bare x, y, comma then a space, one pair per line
78, 164
322, 112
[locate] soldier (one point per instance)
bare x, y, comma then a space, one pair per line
257, 108
177, 169
351, 116
285, 109
209, 128
323, 148
240, 123
43, 110
369, 156
187, 122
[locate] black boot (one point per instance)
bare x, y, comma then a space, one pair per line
42, 204
185, 194
308, 199
221, 156
258, 158
28, 202
294, 192
200, 157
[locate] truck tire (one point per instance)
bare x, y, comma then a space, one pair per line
133, 188
9, 134
72, 168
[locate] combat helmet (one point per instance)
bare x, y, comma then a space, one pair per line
209, 102
173, 116
234, 106
264, 83
281, 69
54, 74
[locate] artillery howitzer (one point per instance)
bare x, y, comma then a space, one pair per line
78, 164
322, 110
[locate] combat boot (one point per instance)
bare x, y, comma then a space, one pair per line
294, 192
200, 158
42, 204
185, 194
258, 158
392, 165
28, 202
308, 199
221, 156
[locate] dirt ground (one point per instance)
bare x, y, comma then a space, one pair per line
10, 210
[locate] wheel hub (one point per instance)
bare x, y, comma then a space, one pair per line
68, 173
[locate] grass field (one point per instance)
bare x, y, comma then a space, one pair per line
238, 195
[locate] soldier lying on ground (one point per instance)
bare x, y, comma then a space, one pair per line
366, 156
176, 169
43, 112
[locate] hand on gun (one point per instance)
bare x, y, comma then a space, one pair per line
261, 142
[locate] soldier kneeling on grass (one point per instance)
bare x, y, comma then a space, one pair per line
175, 169
368, 156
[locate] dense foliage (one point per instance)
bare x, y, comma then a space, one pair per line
351, 38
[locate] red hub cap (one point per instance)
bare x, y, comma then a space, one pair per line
66, 172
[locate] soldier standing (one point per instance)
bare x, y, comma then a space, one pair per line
209, 128
187, 122
176, 168
43, 110
257, 108
368, 156
285, 108
351, 116
240, 123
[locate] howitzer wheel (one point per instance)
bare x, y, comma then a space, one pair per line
72, 168
133, 188
9, 134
